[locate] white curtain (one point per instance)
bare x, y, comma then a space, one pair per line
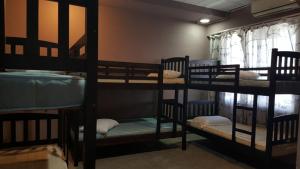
252, 48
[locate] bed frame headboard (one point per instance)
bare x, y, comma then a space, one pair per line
285, 65
179, 64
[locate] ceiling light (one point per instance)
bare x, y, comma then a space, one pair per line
204, 21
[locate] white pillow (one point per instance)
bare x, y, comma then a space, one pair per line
168, 74
203, 121
104, 125
246, 75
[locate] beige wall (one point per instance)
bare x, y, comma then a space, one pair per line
15, 24
131, 36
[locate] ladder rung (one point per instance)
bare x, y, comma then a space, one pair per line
244, 131
245, 108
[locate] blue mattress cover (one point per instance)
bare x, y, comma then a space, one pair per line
39, 90
134, 127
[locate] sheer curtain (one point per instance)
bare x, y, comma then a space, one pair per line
252, 48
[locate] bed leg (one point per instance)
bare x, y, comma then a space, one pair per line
175, 114
271, 107
184, 116
268, 161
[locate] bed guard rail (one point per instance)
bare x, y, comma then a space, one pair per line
285, 129
16, 129
195, 109
214, 77
111, 70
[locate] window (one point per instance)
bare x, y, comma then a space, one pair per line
252, 48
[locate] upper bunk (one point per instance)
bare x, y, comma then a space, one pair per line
283, 77
34, 72
126, 75
171, 74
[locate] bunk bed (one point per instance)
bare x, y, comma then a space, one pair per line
136, 76
279, 135
37, 90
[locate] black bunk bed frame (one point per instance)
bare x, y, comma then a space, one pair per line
126, 71
31, 59
280, 130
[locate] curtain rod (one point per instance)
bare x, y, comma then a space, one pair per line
270, 21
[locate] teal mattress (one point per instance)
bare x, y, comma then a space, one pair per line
134, 127
34, 90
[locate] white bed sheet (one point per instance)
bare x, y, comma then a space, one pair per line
282, 87
32, 91
225, 131
166, 81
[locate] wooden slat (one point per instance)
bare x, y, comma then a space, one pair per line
49, 128
1, 131
287, 130
32, 47
25, 130
37, 130
13, 131
2, 32
281, 130
276, 132
63, 28
293, 129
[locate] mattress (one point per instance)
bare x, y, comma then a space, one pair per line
225, 131
134, 127
165, 81
33, 90
281, 86
38, 157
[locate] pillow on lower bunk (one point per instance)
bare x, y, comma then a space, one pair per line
104, 125
203, 121
246, 75
168, 74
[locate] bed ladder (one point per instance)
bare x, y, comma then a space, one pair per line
253, 109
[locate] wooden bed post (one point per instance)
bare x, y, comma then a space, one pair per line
2, 33
90, 114
271, 107
32, 46
185, 102
63, 29
217, 96
160, 99
175, 112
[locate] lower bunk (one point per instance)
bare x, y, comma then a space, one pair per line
125, 132
205, 121
32, 141
225, 131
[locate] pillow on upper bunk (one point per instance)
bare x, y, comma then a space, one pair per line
246, 75
168, 74
103, 125
203, 121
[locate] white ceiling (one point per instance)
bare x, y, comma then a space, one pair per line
223, 5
